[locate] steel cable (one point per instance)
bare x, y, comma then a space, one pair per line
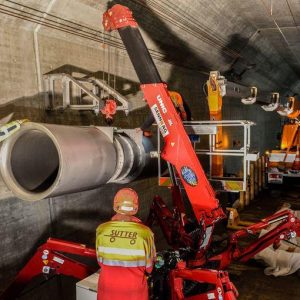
112, 40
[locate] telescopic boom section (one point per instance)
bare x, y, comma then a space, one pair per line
178, 149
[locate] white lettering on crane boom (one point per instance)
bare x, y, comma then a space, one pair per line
161, 103
159, 120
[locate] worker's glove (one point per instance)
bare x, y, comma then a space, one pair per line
183, 116
147, 133
159, 262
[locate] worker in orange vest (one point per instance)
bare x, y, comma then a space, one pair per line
178, 104
125, 251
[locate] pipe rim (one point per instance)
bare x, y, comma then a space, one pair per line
6, 168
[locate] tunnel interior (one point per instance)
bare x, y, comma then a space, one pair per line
252, 43
34, 161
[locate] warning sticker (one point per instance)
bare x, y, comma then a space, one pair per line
59, 260
159, 120
233, 185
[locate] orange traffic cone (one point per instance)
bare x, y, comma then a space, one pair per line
296, 164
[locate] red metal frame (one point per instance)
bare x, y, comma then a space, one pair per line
222, 287
288, 226
176, 235
118, 17
171, 224
49, 260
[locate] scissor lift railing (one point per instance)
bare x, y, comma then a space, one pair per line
210, 129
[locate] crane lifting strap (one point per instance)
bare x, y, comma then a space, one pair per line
10, 128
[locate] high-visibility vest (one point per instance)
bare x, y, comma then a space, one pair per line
176, 99
125, 244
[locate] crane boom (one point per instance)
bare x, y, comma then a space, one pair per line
177, 149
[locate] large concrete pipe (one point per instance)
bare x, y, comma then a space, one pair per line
44, 160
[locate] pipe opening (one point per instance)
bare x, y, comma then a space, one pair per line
34, 161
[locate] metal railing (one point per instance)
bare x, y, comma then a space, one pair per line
210, 129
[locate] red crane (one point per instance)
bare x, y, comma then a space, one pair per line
179, 152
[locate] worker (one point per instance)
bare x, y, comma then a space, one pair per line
125, 251
180, 106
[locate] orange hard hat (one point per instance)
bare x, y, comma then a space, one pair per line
126, 202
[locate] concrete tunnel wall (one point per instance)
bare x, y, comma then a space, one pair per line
23, 225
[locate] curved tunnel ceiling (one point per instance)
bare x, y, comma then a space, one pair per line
253, 42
